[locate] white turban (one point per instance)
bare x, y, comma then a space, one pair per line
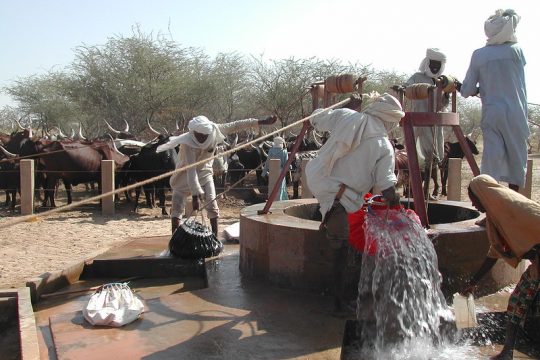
501, 27
202, 125
385, 107
279, 142
432, 54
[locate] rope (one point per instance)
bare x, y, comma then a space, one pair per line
47, 213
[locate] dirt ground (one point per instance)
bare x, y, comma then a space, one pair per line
49, 244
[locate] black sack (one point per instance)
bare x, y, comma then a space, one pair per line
193, 240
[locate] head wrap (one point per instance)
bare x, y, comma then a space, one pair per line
385, 107
432, 54
512, 220
199, 124
501, 27
279, 142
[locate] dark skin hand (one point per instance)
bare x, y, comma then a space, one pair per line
196, 202
355, 101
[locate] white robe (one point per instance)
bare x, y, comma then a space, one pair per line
499, 72
426, 134
368, 163
192, 180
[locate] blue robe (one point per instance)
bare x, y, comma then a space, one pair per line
281, 154
499, 72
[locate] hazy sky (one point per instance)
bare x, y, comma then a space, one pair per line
39, 35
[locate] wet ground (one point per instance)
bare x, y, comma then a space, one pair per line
231, 318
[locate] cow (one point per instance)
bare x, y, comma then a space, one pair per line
236, 169
220, 166
454, 150
75, 162
251, 159
147, 164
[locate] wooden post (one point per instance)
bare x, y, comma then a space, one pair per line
107, 185
306, 193
27, 186
527, 190
453, 183
274, 168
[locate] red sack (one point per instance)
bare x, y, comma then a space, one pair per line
356, 226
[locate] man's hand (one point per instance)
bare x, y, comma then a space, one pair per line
391, 196
196, 202
457, 84
268, 120
355, 101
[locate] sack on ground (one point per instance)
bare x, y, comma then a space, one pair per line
114, 305
193, 240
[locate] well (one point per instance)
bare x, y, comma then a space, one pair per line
286, 248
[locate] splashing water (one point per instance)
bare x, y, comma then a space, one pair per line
400, 304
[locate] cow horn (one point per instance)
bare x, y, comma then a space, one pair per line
469, 135
127, 126
114, 145
60, 131
176, 123
235, 141
111, 128
19, 124
81, 136
72, 133
7, 153
151, 128
166, 131
262, 150
316, 140
30, 133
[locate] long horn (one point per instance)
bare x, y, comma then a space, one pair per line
19, 124
262, 150
114, 145
81, 136
127, 126
72, 133
151, 128
30, 133
111, 128
60, 132
176, 122
7, 153
166, 131
235, 141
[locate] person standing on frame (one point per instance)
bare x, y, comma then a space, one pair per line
496, 73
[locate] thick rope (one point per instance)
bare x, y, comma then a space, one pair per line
47, 213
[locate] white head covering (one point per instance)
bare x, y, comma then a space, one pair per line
501, 27
432, 54
279, 142
385, 107
199, 124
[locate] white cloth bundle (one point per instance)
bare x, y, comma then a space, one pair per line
114, 305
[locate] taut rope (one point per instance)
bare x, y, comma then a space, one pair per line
47, 213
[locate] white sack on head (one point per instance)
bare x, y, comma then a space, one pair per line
386, 107
279, 142
200, 124
432, 54
501, 27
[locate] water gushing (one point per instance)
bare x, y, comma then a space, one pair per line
400, 305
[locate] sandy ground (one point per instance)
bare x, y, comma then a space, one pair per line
49, 244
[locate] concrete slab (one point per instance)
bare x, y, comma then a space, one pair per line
231, 319
142, 257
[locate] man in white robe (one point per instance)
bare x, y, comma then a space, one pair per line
430, 139
496, 72
356, 158
197, 145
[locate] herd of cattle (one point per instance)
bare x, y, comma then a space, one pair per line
77, 160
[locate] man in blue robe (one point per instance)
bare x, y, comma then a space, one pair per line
496, 73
